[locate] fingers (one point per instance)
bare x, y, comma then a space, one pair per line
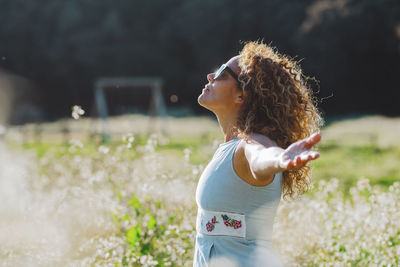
300, 161
312, 140
312, 155
290, 165
304, 157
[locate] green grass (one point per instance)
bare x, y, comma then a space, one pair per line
347, 163
199, 147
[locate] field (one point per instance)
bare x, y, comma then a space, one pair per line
68, 200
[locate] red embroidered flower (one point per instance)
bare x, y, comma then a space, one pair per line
210, 225
236, 224
231, 222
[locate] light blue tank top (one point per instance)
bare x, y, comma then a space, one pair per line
221, 189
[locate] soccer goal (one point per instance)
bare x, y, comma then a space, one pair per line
105, 86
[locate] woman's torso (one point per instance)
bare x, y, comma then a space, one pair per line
221, 189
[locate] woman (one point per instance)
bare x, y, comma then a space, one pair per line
267, 115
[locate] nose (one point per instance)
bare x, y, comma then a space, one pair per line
210, 77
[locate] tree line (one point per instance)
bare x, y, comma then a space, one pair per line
352, 47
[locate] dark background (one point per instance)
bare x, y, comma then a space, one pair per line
352, 47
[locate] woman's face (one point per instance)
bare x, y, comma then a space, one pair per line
222, 92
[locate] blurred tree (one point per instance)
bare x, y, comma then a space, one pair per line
351, 46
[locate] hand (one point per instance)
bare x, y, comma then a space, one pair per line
298, 154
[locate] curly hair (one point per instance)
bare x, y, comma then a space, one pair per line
279, 104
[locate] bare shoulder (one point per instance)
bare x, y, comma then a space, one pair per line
258, 139
254, 140
240, 162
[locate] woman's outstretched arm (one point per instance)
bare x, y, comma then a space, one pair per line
265, 160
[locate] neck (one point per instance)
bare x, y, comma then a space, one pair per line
227, 123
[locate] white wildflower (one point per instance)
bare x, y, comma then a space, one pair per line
77, 112
103, 149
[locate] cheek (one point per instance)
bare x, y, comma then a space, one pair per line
222, 92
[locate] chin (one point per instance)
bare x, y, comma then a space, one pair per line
206, 102
200, 100
202, 103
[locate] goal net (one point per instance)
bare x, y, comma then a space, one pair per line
105, 87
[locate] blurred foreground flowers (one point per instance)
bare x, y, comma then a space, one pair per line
325, 228
132, 205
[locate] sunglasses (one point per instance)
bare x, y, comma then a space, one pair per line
223, 68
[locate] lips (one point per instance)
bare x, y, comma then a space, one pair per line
206, 88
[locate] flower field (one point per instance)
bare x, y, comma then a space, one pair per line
131, 202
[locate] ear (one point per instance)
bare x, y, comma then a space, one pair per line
240, 98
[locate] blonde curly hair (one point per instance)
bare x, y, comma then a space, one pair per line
279, 104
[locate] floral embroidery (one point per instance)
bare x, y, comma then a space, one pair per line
210, 225
231, 222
